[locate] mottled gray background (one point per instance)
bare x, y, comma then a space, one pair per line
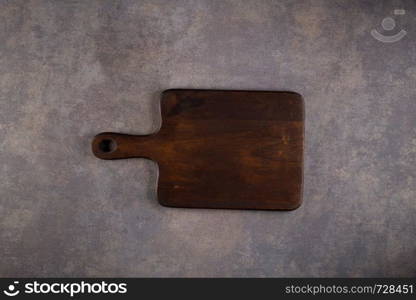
72, 69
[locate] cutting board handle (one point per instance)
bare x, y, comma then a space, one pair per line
109, 145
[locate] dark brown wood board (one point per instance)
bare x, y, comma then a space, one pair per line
222, 149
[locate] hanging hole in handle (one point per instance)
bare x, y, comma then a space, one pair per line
107, 145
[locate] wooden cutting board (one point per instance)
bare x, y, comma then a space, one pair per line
222, 149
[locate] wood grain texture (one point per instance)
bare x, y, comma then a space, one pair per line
222, 149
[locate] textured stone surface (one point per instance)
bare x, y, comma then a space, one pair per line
71, 69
